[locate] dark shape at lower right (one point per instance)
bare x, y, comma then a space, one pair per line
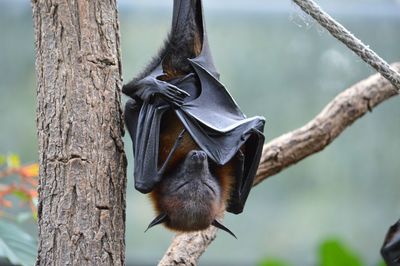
391, 246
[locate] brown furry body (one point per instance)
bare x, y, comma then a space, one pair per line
194, 191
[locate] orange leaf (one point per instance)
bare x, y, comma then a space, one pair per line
31, 170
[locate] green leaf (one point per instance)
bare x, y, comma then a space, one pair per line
21, 195
13, 161
272, 262
333, 253
16, 245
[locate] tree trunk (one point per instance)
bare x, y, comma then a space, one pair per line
82, 184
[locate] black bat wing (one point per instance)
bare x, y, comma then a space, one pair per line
143, 123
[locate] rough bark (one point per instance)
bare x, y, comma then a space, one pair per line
294, 146
185, 250
82, 180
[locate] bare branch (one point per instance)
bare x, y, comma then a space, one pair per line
294, 146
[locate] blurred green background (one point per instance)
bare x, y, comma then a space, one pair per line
278, 63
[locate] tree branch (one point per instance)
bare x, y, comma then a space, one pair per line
186, 248
292, 147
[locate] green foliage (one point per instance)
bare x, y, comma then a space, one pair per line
21, 195
16, 245
272, 262
332, 252
17, 184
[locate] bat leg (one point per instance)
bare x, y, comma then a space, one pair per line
171, 153
391, 247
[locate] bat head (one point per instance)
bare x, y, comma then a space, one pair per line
190, 197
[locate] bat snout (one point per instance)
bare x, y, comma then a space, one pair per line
198, 156
143, 187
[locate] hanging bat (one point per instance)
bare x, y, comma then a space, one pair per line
195, 152
391, 247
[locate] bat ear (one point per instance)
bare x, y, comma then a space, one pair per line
162, 218
222, 227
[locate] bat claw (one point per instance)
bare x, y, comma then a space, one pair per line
223, 228
162, 218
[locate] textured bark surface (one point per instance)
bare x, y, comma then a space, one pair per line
82, 162
294, 146
185, 250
